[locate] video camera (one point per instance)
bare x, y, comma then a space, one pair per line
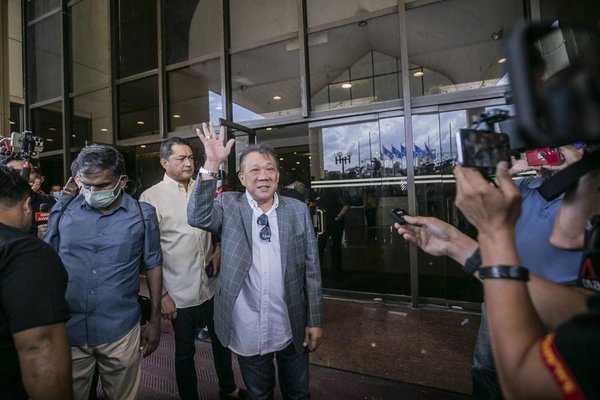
22, 145
555, 81
554, 73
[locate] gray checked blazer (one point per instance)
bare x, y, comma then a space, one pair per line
231, 216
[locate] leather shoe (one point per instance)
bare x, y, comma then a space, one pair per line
242, 394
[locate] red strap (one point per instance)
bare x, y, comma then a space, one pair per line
559, 369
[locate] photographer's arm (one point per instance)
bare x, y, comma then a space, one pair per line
516, 327
437, 238
45, 360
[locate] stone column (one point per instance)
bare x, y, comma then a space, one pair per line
4, 82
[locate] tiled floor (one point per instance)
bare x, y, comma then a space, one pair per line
370, 350
426, 347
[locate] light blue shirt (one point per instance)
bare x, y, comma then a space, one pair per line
533, 230
102, 254
260, 322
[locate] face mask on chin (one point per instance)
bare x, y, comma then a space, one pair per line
101, 199
56, 195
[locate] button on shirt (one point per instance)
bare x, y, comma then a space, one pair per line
102, 255
261, 323
185, 249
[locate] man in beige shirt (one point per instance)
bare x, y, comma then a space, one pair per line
187, 299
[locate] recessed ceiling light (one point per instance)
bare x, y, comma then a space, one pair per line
73, 136
12, 122
140, 122
51, 129
103, 129
309, 157
49, 140
502, 61
346, 85
176, 116
280, 158
143, 146
218, 108
269, 129
297, 162
277, 98
418, 74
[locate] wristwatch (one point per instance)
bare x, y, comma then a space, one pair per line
212, 174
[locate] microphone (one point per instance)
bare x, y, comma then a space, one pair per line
41, 216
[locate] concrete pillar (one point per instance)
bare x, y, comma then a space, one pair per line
4, 82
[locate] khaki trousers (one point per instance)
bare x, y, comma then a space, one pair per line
118, 364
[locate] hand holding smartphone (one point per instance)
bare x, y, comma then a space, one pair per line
397, 215
70, 188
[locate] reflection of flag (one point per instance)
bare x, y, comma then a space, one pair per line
403, 150
397, 152
388, 153
419, 151
428, 151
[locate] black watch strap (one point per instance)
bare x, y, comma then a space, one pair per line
513, 272
472, 263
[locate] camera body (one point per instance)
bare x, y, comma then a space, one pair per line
482, 149
555, 84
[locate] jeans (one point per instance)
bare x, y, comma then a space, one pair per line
259, 374
185, 326
483, 374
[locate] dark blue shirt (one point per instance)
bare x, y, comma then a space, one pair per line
102, 254
533, 230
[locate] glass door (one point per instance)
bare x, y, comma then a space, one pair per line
358, 169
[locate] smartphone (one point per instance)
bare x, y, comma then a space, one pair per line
544, 156
482, 149
210, 270
397, 215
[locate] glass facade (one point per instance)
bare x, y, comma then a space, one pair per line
137, 33
44, 59
328, 94
365, 72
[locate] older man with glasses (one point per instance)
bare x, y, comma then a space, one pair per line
268, 303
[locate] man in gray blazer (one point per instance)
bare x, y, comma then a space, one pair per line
268, 301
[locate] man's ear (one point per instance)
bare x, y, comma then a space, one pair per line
26, 205
163, 163
241, 178
123, 181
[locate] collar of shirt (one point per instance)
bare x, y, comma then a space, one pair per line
257, 210
167, 179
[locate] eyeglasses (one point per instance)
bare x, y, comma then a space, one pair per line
265, 232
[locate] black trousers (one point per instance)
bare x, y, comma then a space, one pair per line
185, 326
334, 230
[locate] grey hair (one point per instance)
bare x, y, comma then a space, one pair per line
262, 148
98, 157
166, 147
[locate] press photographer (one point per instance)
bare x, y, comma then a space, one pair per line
544, 336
